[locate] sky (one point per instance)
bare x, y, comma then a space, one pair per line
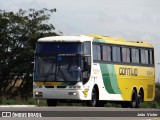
129, 19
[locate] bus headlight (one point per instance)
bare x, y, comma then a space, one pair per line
72, 93
38, 94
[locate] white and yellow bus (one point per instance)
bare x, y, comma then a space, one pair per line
94, 69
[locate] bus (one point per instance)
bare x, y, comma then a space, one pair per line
93, 69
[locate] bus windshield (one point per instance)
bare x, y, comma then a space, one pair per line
58, 68
60, 61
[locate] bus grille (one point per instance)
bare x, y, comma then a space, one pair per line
49, 86
55, 86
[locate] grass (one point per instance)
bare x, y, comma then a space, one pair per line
41, 103
153, 104
23, 102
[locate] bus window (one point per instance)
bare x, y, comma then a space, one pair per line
107, 53
146, 56
124, 54
87, 48
128, 55
96, 52
142, 56
135, 55
151, 57
86, 69
116, 54
58, 48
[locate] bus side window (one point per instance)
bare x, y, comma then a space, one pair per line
151, 58
116, 54
146, 56
86, 65
96, 52
128, 55
106, 53
124, 54
87, 48
86, 68
135, 55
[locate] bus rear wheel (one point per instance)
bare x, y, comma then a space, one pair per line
51, 102
139, 99
133, 102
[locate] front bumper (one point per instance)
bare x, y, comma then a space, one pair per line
65, 94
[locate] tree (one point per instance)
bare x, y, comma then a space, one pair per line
18, 35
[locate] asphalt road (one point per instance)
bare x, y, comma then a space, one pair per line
80, 113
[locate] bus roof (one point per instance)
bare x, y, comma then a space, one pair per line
80, 38
119, 41
95, 38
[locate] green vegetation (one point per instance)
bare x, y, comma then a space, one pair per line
19, 32
153, 104
23, 102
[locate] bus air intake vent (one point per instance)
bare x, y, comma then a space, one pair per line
61, 86
49, 86
149, 91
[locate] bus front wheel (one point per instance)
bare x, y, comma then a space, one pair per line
94, 98
95, 102
51, 102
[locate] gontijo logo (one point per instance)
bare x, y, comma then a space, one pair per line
128, 71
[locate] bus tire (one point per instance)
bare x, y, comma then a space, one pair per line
51, 102
133, 99
94, 102
139, 99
